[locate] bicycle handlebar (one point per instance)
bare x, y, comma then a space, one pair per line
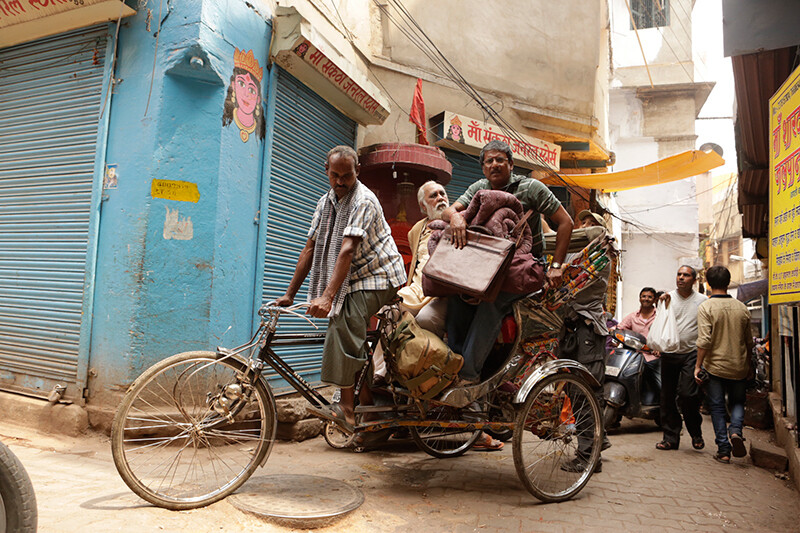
270, 307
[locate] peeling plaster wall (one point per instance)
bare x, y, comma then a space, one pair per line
155, 295
547, 55
668, 49
648, 124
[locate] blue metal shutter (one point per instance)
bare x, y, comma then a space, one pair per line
306, 127
50, 98
466, 171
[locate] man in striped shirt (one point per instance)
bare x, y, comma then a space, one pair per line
355, 270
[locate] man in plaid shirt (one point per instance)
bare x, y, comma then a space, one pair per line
355, 270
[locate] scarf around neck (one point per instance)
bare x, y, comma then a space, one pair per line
333, 221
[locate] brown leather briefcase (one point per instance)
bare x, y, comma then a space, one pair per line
476, 270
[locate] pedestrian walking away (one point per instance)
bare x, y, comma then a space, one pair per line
724, 345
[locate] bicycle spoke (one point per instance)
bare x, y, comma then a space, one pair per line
195, 454
557, 439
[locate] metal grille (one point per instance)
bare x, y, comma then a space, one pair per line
650, 13
306, 127
50, 96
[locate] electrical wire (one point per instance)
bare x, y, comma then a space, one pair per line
670, 26
113, 62
685, 31
681, 200
155, 55
409, 27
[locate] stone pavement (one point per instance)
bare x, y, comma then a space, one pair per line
640, 488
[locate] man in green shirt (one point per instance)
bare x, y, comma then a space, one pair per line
472, 329
724, 344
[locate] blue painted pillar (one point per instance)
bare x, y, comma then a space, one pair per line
177, 243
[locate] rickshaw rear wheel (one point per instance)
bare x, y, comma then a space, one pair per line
443, 442
557, 437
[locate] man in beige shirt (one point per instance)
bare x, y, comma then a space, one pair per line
724, 345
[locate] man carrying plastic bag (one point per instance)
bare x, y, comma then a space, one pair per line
677, 365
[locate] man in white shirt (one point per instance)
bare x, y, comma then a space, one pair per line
678, 386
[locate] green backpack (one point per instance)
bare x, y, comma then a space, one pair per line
422, 362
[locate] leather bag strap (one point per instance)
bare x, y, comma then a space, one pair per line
520, 225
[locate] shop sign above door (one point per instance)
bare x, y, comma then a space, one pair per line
301, 49
26, 20
314, 57
454, 128
784, 192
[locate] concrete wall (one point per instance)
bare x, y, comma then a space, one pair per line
158, 294
663, 228
514, 53
647, 123
667, 50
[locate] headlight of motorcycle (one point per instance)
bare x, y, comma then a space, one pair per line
630, 339
634, 343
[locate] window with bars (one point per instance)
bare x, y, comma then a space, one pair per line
649, 13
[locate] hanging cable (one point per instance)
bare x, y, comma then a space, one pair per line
407, 25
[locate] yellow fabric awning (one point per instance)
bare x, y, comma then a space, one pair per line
676, 167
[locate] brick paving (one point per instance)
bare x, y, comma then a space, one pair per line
640, 488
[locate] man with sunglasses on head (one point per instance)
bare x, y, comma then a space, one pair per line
472, 329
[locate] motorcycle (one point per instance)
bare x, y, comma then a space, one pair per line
632, 385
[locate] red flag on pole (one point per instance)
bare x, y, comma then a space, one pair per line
417, 115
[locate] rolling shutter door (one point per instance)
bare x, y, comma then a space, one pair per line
306, 128
466, 171
50, 99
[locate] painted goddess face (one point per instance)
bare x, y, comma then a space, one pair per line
246, 91
243, 105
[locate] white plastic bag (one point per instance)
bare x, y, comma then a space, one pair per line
663, 336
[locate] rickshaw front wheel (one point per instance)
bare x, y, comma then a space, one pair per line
557, 437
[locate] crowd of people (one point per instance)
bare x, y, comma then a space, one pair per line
355, 269
713, 358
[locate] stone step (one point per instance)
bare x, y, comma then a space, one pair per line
768, 456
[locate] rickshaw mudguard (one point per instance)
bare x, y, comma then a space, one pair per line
559, 366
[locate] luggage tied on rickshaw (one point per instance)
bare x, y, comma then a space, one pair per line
421, 361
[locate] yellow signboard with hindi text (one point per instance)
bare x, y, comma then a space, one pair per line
784, 192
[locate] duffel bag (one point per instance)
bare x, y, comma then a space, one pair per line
422, 362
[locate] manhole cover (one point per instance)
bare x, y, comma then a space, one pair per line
297, 500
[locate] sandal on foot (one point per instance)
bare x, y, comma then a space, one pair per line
737, 443
698, 443
722, 458
666, 445
486, 443
333, 413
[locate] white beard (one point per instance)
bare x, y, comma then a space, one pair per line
435, 213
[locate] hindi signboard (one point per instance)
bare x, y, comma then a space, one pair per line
26, 20
459, 129
784, 193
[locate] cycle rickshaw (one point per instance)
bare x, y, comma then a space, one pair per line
195, 426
